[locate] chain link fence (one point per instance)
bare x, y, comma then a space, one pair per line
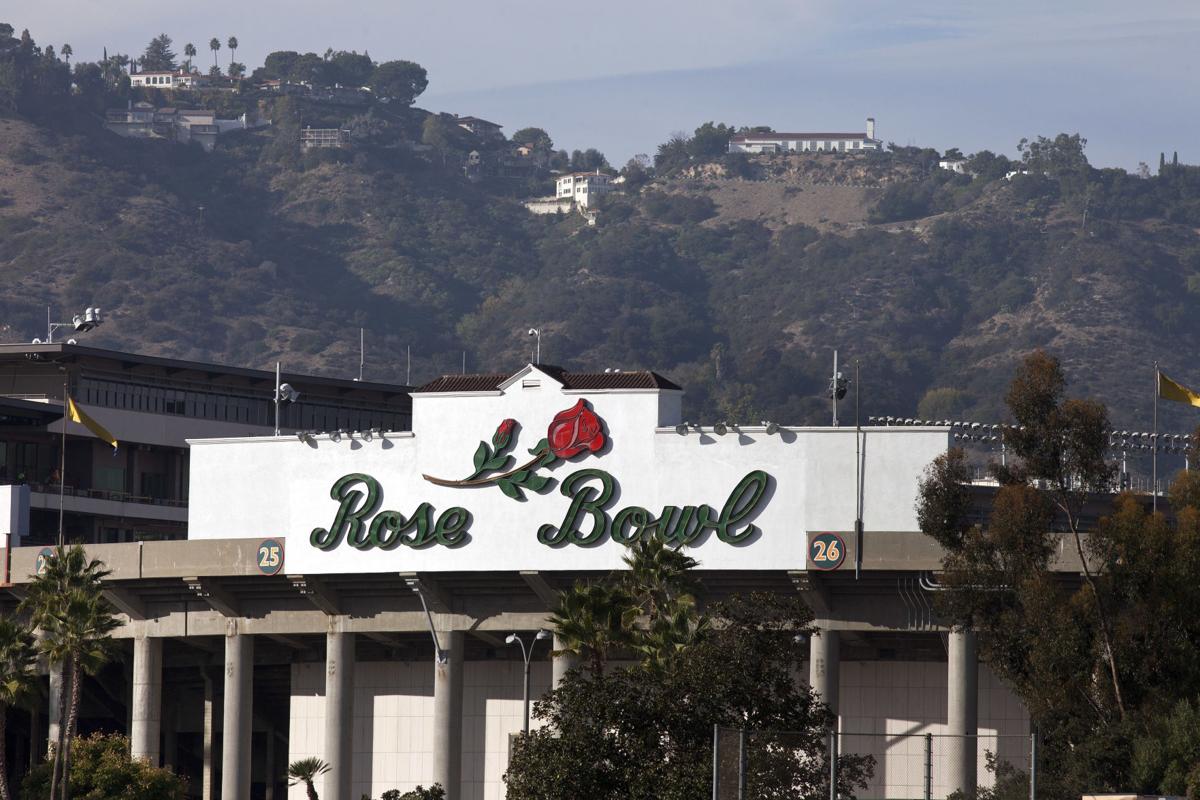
749, 764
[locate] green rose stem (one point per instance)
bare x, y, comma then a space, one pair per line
541, 454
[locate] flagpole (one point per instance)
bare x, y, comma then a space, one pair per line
62, 469
1154, 446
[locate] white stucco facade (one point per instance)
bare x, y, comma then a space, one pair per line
887, 708
584, 188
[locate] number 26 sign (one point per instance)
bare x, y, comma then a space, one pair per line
826, 551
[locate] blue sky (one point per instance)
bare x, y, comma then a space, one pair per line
623, 75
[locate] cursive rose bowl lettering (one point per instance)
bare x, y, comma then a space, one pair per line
361, 524
587, 521
357, 523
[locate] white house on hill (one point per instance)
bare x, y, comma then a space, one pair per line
585, 188
774, 142
167, 80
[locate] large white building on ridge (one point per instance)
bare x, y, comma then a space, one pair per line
775, 142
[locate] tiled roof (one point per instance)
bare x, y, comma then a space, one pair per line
754, 137
579, 381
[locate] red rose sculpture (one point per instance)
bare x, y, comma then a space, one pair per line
575, 430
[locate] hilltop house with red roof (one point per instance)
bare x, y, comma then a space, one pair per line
775, 142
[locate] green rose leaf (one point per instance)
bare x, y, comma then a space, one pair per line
482, 454
497, 463
509, 488
535, 483
544, 444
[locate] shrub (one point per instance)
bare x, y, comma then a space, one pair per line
434, 792
101, 769
677, 209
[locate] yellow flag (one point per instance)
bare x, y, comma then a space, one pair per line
1170, 390
75, 413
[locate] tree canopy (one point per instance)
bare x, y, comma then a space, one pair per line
1076, 652
398, 81
158, 55
645, 729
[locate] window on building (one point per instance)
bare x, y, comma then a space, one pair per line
154, 486
109, 478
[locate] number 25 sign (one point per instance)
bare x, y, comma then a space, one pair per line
826, 551
270, 556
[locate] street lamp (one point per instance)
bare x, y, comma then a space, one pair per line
526, 653
81, 323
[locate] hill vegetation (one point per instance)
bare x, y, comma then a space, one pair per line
736, 275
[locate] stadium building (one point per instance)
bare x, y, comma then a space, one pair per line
348, 593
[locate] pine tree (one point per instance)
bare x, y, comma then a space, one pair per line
158, 55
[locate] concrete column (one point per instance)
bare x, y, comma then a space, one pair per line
238, 707
146, 724
447, 714
56, 693
339, 713
208, 743
962, 712
824, 662
562, 663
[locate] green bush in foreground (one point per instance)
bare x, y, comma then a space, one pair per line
101, 769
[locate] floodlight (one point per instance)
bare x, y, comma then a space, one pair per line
511, 639
772, 427
543, 634
682, 428
336, 436
89, 319
721, 428
368, 434
287, 393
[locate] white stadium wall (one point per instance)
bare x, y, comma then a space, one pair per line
811, 484
889, 703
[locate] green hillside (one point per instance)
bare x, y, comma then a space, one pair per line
736, 276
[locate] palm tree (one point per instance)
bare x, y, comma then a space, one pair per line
189, 50
67, 52
305, 771
65, 602
17, 679
659, 576
660, 581
592, 619
79, 637
214, 44
233, 45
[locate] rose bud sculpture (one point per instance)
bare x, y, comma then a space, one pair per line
503, 434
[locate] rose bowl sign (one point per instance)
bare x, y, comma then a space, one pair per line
537, 476
361, 524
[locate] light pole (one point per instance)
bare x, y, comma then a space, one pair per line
526, 653
82, 323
